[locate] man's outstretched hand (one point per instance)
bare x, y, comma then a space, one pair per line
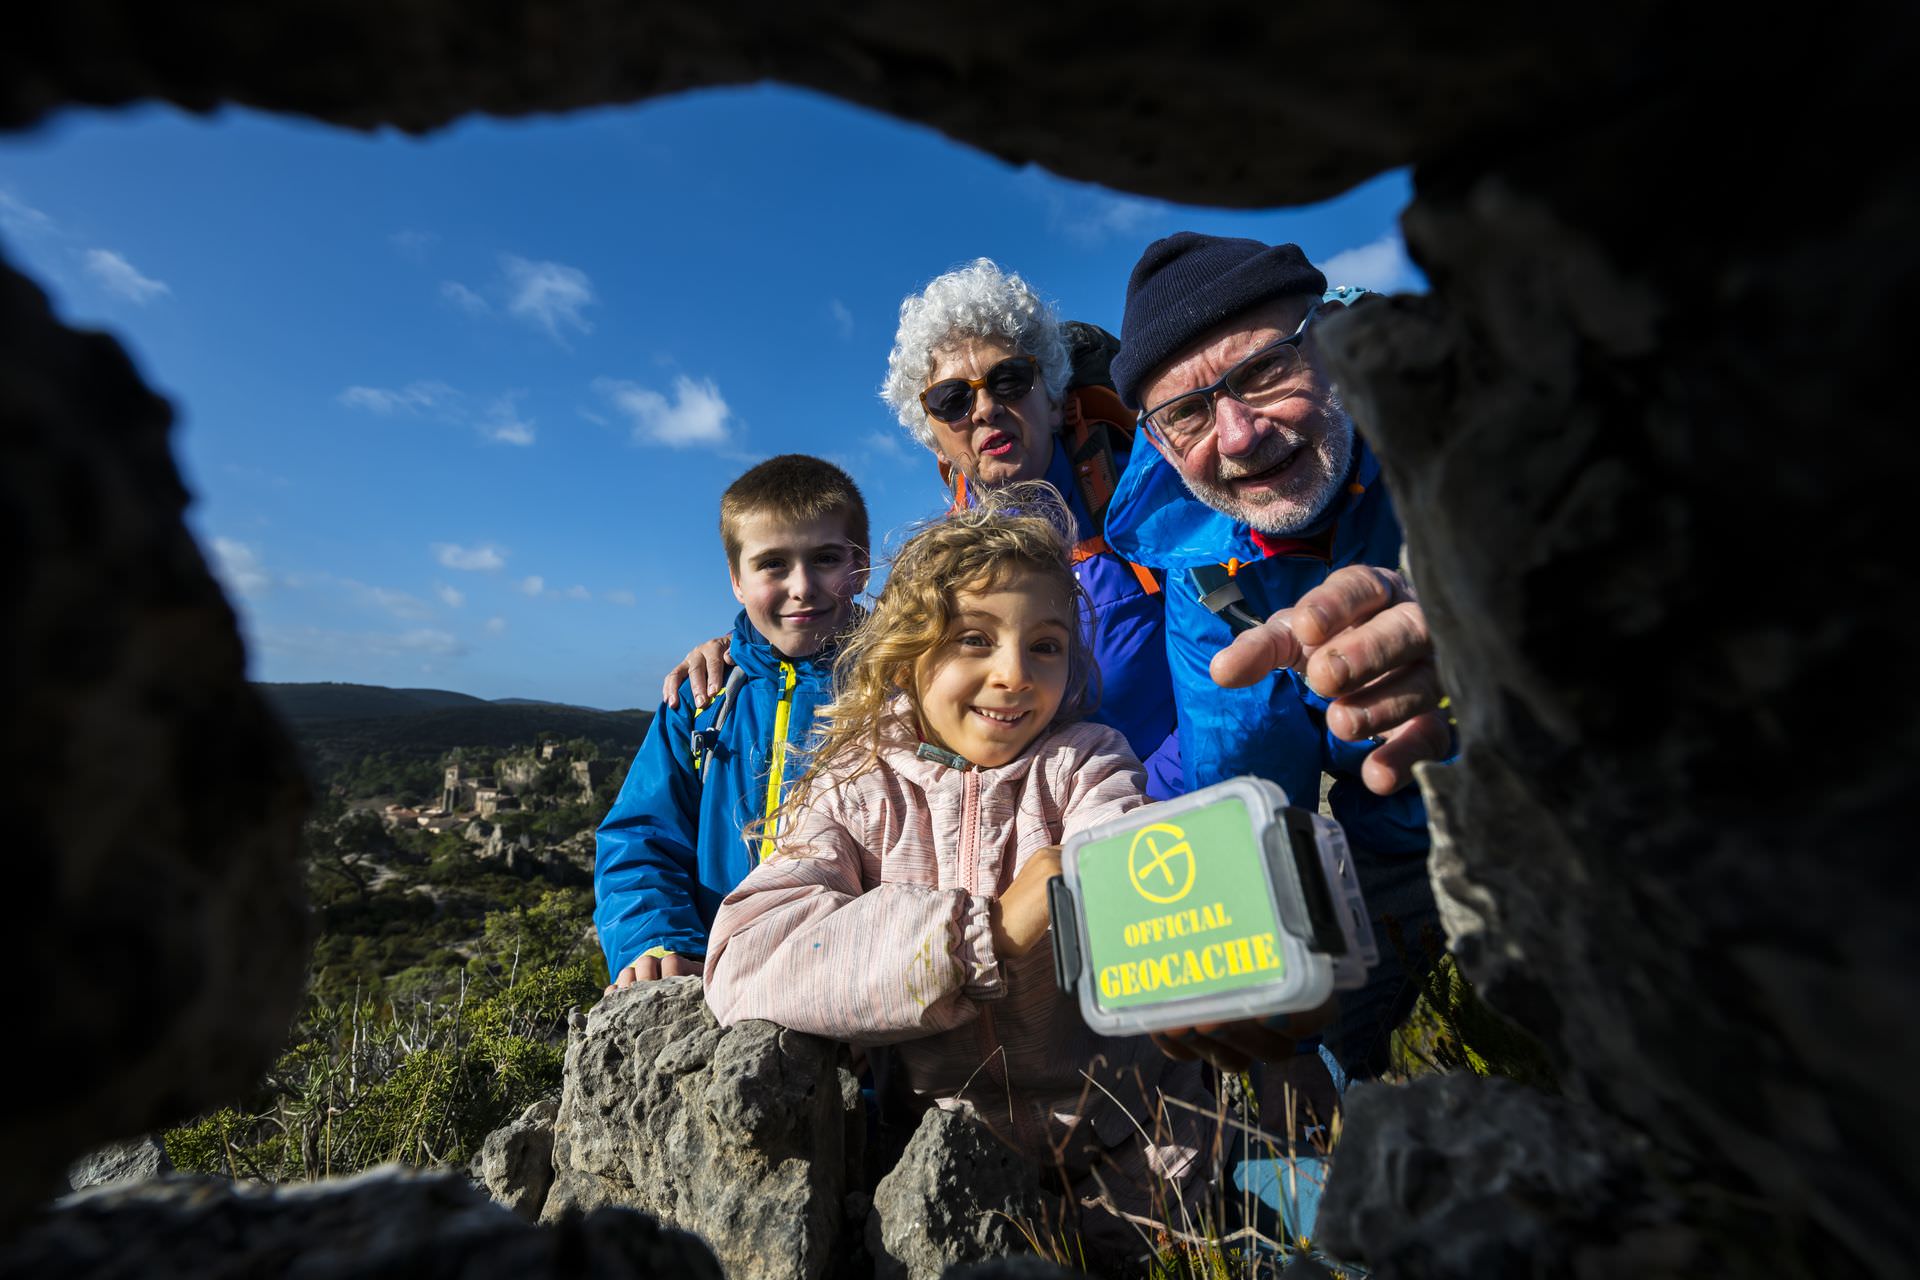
1359, 638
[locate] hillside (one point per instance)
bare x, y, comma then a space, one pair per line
338, 725
331, 701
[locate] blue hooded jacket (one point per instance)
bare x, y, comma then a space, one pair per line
671, 847
1128, 642
1277, 728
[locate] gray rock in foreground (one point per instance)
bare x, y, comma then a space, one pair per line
955, 1196
515, 1163
137, 1160
1462, 1176
386, 1223
748, 1136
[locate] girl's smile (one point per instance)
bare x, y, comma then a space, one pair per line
996, 681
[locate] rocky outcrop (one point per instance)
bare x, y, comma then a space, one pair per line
956, 1195
155, 895
386, 1223
750, 1136
1423, 1169
515, 1163
118, 1162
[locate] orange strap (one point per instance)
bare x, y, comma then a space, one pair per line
1088, 548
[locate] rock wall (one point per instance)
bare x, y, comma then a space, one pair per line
1646, 434
750, 1137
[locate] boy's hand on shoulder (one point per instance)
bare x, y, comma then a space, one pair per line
704, 668
1019, 916
653, 968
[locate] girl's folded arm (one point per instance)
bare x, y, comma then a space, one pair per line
799, 943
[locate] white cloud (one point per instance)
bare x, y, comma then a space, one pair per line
1090, 216
452, 291
426, 640
533, 584
842, 318
454, 556
413, 244
697, 415
400, 604
889, 444
18, 218
548, 295
577, 592
116, 275
502, 423
415, 397
239, 569
497, 419
495, 625
452, 597
622, 596
1381, 265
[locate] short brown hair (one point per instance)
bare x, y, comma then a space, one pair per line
793, 488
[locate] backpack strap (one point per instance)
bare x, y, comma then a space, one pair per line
705, 740
1098, 434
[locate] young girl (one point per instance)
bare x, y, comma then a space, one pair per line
907, 901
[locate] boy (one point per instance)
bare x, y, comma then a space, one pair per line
795, 533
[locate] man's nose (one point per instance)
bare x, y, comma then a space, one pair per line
1237, 428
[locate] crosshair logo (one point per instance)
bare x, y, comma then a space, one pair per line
1156, 861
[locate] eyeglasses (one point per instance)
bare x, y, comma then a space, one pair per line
1260, 381
951, 399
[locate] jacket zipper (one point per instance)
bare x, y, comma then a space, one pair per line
782, 720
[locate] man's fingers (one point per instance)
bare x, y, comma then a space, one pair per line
1348, 596
670, 687
1389, 766
1257, 653
676, 966
1395, 637
1386, 704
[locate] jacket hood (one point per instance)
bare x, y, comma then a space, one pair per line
1155, 519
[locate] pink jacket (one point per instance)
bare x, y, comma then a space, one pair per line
870, 926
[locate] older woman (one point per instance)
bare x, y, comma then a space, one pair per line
980, 375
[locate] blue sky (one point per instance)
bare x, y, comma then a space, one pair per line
457, 411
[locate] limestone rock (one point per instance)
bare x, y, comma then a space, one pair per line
515, 1163
954, 1197
1463, 1176
385, 1223
746, 1136
135, 1161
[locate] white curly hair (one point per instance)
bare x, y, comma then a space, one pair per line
978, 300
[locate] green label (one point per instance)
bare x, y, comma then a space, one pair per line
1179, 908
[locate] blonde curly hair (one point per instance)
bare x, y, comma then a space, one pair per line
1020, 528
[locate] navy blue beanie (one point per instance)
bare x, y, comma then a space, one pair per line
1187, 283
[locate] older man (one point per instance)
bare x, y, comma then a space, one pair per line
1295, 646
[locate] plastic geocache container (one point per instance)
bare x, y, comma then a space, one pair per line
1224, 904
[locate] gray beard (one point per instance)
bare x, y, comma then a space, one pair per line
1291, 516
